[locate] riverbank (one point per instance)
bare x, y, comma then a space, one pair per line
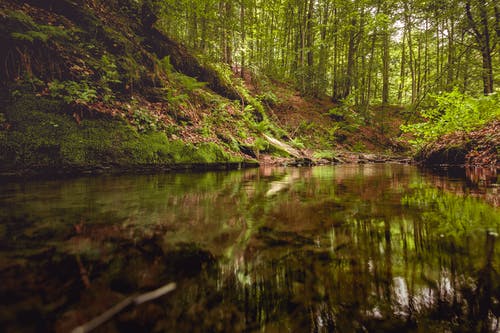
477, 148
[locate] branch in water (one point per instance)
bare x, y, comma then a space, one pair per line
133, 300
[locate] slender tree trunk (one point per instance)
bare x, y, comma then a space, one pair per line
243, 38
451, 56
483, 41
203, 42
310, 48
302, 46
438, 55
370, 70
351, 52
385, 66
411, 56
487, 72
335, 79
324, 48
418, 66
402, 73
228, 43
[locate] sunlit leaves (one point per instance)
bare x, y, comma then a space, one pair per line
453, 112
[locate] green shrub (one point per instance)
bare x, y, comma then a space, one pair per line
72, 91
453, 111
297, 143
109, 75
145, 121
268, 98
359, 147
324, 154
27, 30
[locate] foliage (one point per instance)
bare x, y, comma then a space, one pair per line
166, 65
454, 112
73, 92
144, 121
324, 154
359, 147
109, 75
297, 143
260, 144
451, 215
189, 83
337, 113
174, 98
364, 50
332, 132
32, 32
268, 98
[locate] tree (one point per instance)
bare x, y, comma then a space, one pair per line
479, 24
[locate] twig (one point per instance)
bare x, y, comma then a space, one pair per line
133, 300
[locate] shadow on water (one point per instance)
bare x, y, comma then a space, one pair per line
368, 248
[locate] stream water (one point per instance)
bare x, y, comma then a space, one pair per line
349, 248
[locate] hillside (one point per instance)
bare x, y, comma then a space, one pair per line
95, 86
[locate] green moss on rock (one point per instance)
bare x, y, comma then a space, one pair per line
43, 136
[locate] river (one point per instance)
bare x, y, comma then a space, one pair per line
348, 248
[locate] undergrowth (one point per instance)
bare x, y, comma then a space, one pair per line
453, 112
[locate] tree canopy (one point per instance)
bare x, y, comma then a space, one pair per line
367, 50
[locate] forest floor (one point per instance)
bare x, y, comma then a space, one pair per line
330, 131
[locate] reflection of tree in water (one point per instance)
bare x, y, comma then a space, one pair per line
351, 289
368, 248
421, 270
480, 182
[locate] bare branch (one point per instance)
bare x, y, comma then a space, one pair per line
133, 300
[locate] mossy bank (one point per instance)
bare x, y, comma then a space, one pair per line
42, 137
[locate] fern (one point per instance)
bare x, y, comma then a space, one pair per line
73, 92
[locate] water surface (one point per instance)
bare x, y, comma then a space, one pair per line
351, 248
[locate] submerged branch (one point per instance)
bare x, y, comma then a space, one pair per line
133, 300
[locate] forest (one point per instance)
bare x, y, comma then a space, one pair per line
369, 51
310, 80
249, 166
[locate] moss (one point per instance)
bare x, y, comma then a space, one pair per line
43, 136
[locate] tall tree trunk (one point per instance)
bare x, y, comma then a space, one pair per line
203, 42
402, 73
324, 48
336, 95
243, 38
411, 56
438, 54
351, 52
309, 46
229, 17
412, 71
483, 41
370, 71
385, 65
451, 56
